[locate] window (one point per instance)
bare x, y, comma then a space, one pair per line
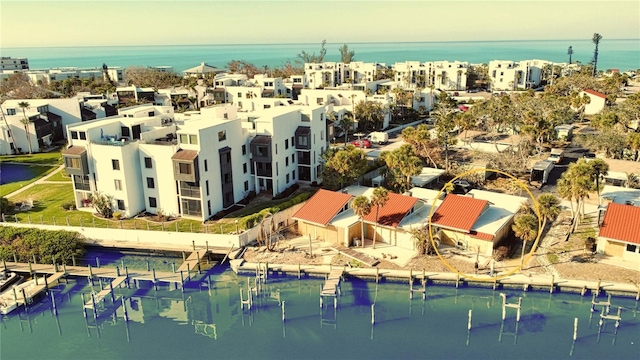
74, 135
193, 139
73, 163
147, 163
118, 184
83, 135
286, 144
246, 186
303, 141
632, 248
276, 149
151, 184
152, 202
244, 149
244, 168
239, 95
185, 169
305, 117
293, 158
209, 207
286, 161
253, 168
120, 204
321, 134
287, 178
115, 164
206, 186
11, 111
276, 168
319, 100
293, 175
184, 139
222, 135
206, 168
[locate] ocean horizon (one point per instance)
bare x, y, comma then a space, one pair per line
623, 54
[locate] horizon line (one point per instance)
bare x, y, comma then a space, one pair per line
299, 43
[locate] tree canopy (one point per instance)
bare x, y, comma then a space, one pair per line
44, 244
343, 166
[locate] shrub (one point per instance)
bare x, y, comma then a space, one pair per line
252, 220
44, 244
290, 190
69, 205
117, 215
501, 253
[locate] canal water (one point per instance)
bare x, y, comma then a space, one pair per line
206, 321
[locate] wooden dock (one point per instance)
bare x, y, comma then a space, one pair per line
104, 292
192, 263
331, 286
356, 255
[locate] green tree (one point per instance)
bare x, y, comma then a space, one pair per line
548, 204
565, 191
596, 40
422, 239
379, 199
362, 207
26, 122
370, 115
598, 168
343, 166
345, 123
402, 163
424, 146
305, 57
633, 141
444, 115
346, 55
525, 227
103, 204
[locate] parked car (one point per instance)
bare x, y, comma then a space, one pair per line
556, 156
462, 186
378, 137
362, 143
589, 156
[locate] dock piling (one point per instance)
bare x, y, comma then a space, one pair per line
34, 259
598, 287
551, 286
373, 314
575, 329
53, 304
469, 322
124, 308
283, 312
97, 262
84, 309
377, 275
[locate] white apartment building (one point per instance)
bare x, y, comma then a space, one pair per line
9, 63
329, 74
507, 75
47, 120
442, 75
147, 160
344, 98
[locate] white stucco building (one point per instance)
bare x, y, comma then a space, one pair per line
507, 75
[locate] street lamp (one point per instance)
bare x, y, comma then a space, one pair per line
237, 231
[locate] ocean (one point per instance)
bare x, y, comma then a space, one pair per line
620, 54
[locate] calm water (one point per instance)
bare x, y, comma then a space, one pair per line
206, 322
622, 54
12, 173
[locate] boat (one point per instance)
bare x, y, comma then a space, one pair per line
6, 280
8, 300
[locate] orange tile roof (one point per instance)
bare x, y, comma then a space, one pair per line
392, 213
458, 212
482, 236
593, 92
322, 207
621, 222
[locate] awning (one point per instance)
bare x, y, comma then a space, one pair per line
74, 151
185, 155
261, 139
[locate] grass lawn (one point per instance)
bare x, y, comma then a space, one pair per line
50, 158
60, 176
36, 173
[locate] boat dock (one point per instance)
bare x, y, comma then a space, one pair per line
104, 292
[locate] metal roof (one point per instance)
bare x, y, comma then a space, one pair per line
621, 222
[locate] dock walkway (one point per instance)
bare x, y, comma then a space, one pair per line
193, 261
104, 292
333, 283
356, 255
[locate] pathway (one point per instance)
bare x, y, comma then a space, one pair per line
42, 180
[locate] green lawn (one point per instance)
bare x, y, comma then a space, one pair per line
36, 173
59, 176
50, 158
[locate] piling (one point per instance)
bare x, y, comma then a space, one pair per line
34, 259
299, 274
377, 275
30, 268
124, 308
93, 303
173, 267
552, 284
148, 265
24, 297
575, 329
84, 310
457, 280
35, 276
469, 322
283, 313
193, 243
15, 257
155, 281
46, 283
373, 314
113, 298
73, 260
181, 281
53, 304
97, 262
598, 287
584, 290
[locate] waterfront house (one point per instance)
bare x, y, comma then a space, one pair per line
477, 221
619, 235
202, 69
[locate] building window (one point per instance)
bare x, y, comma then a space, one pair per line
193, 139
293, 158
185, 169
632, 248
206, 186
286, 162
286, 144
151, 184
319, 100
293, 143
293, 175
206, 167
74, 135
287, 178
244, 149
11, 111
118, 184
276, 149
152, 202
246, 186
303, 141
115, 164
83, 135
120, 204
147, 163
222, 135
184, 139
321, 134
244, 168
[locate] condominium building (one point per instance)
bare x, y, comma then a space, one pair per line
511, 75
329, 74
148, 159
443, 75
9, 63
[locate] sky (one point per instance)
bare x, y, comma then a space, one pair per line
26, 23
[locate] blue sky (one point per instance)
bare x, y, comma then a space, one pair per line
27, 23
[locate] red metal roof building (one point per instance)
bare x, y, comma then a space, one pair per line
323, 206
392, 213
593, 92
621, 222
459, 212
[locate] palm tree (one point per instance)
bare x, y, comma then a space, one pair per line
570, 52
379, 198
548, 206
362, 207
345, 123
598, 168
596, 40
25, 121
525, 227
563, 188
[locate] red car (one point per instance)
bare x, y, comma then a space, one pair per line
362, 143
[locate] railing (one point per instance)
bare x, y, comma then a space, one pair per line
110, 142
